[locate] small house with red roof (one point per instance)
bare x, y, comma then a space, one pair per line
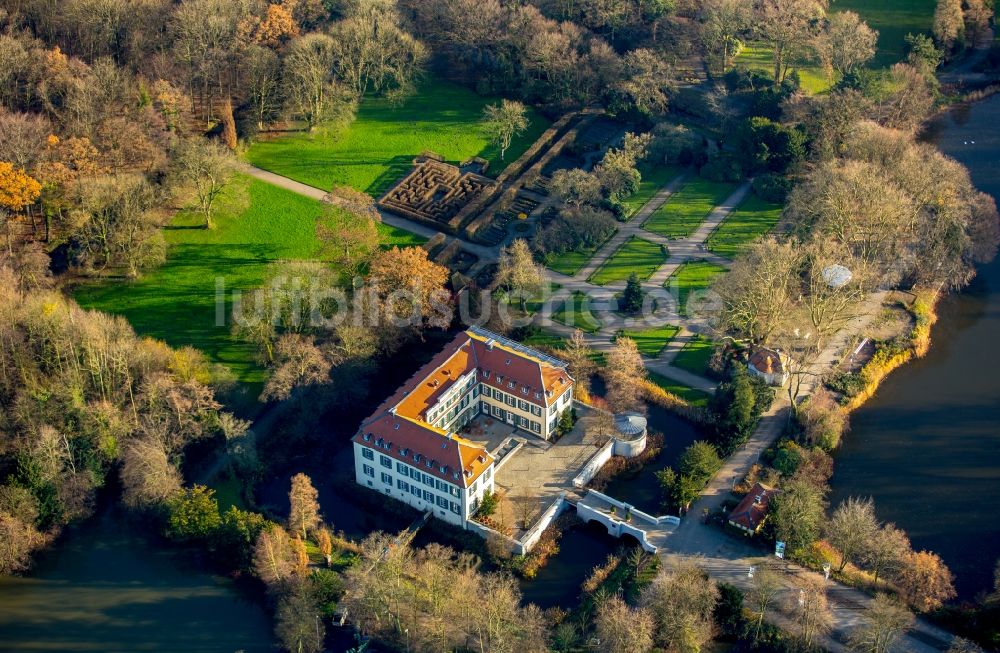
770, 365
409, 448
750, 513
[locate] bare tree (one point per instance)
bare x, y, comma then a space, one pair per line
517, 270
886, 551
681, 600
622, 629
310, 90
503, 121
949, 23
273, 557
723, 24
788, 26
760, 598
847, 43
297, 619
811, 611
884, 622
852, 527
148, 476
17, 541
207, 168
758, 291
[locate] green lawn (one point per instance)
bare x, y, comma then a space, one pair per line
893, 19
690, 277
687, 208
569, 263
695, 355
651, 341
654, 177
693, 396
750, 221
575, 312
757, 56
257, 225
378, 147
636, 255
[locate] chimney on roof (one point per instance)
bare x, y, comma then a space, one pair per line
490, 343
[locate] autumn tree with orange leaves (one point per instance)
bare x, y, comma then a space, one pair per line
411, 287
18, 190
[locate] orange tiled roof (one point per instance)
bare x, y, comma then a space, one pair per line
750, 512
398, 428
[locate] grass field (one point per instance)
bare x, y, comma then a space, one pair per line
569, 263
256, 226
687, 208
575, 312
693, 396
636, 255
695, 355
654, 177
751, 220
651, 341
893, 19
693, 276
757, 56
378, 148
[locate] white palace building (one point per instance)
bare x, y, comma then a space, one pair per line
409, 449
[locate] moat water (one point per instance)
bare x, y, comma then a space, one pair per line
927, 446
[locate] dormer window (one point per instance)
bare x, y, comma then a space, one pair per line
466, 473
367, 437
416, 457
486, 374
404, 451
481, 459
443, 469
380, 442
538, 395
511, 384
524, 389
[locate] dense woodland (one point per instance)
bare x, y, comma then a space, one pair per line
116, 113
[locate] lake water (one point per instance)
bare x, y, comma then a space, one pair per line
105, 587
927, 447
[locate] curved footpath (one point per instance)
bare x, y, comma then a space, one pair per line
725, 558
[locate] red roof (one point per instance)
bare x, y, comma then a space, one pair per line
750, 512
398, 428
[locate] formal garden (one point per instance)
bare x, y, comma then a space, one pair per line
686, 209
651, 342
692, 277
642, 257
653, 178
752, 219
